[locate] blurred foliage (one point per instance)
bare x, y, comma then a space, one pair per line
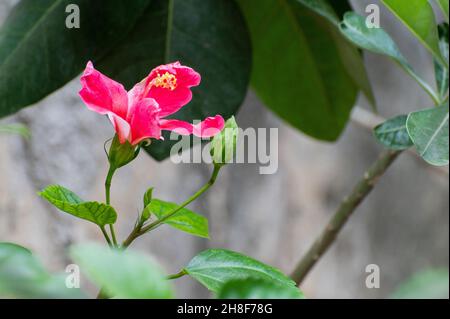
20, 129
427, 284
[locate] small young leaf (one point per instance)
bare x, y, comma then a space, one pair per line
418, 16
428, 129
214, 267
22, 276
123, 274
257, 289
184, 219
441, 72
148, 196
393, 134
69, 202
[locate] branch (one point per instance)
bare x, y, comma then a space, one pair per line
345, 210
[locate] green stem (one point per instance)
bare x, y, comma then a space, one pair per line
108, 180
105, 234
424, 85
177, 275
345, 210
138, 231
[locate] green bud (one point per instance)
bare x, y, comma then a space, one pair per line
121, 154
223, 145
148, 196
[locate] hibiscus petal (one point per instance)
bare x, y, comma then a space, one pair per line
121, 127
207, 128
144, 121
102, 94
186, 76
177, 126
174, 92
170, 101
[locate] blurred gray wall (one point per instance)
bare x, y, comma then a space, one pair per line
403, 226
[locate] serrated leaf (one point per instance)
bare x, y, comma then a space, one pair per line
39, 54
418, 16
22, 276
207, 35
257, 289
307, 86
184, 219
393, 134
428, 129
122, 274
214, 267
440, 71
69, 202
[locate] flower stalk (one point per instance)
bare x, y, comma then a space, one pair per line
139, 230
108, 180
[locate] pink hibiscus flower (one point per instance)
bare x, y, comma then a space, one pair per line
140, 113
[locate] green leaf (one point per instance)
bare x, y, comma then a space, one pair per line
418, 16
378, 41
393, 134
7, 248
15, 129
427, 284
184, 219
428, 129
148, 196
22, 276
443, 4
208, 35
441, 72
257, 289
323, 8
39, 54
123, 274
303, 83
350, 57
69, 202
214, 267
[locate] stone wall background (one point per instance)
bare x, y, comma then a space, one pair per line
403, 226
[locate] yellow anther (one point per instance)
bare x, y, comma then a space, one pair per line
166, 81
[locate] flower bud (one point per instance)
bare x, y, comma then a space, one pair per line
121, 154
223, 145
